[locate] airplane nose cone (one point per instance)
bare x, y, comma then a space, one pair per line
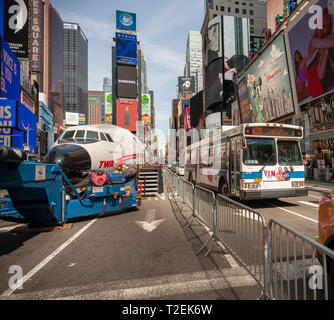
70, 157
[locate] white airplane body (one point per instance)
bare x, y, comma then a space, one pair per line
96, 147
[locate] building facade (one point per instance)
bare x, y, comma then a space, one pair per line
287, 96
194, 63
254, 10
107, 84
75, 69
96, 100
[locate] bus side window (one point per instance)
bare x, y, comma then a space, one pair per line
238, 155
232, 154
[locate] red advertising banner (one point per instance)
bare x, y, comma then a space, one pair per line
126, 113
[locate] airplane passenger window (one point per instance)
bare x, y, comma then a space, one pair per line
109, 138
102, 136
92, 135
80, 135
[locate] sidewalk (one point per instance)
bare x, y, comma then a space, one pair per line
319, 186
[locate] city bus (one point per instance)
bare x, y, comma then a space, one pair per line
250, 161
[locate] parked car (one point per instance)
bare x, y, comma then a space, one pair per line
326, 235
180, 170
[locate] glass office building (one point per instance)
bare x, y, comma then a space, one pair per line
75, 69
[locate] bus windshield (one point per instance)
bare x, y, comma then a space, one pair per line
260, 152
288, 153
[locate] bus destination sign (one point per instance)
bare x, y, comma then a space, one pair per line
273, 131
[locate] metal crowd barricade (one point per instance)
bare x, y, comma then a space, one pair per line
205, 211
243, 232
188, 194
296, 272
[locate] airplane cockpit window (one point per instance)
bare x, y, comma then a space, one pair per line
68, 135
109, 138
80, 135
92, 135
102, 136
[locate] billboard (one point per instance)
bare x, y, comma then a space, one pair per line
214, 83
82, 119
18, 126
126, 81
126, 113
36, 30
187, 121
16, 26
27, 122
235, 114
10, 73
186, 84
108, 107
246, 112
1, 18
146, 109
213, 41
312, 55
71, 118
268, 84
125, 20
213, 120
126, 48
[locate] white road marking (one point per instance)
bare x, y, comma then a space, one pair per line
6, 229
47, 259
148, 288
149, 224
309, 204
294, 213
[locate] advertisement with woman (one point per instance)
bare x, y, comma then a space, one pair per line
312, 55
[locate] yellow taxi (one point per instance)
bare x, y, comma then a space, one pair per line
326, 233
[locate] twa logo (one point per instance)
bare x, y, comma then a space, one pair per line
106, 164
270, 173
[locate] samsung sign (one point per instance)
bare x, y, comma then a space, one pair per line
126, 81
125, 20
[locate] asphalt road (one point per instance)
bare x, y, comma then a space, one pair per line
141, 254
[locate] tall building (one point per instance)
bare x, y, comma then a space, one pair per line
107, 84
194, 63
239, 25
254, 10
143, 72
95, 101
75, 69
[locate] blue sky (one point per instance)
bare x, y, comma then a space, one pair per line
162, 28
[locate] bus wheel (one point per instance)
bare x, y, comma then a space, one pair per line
223, 187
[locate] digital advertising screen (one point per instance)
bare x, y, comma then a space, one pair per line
126, 48
126, 113
312, 55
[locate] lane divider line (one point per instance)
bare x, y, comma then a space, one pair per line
47, 260
309, 204
294, 213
